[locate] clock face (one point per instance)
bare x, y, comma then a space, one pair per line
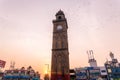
59, 27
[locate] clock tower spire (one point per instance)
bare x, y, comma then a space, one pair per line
60, 53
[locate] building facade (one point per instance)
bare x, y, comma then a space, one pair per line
113, 68
87, 73
21, 74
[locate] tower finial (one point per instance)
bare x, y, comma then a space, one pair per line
60, 12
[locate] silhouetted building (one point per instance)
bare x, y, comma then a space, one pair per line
21, 74
72, 74
87, 73
46, 77
113, 68
103, 72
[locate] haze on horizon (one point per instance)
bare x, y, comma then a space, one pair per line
26, 30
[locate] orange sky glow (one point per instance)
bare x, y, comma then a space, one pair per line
26, 31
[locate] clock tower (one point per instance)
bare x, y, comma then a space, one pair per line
60, 53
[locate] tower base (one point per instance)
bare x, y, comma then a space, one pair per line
60, 77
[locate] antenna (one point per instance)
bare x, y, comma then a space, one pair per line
92, 54
88, 54
12, 65
91, 58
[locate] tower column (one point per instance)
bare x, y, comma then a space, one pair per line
60, 53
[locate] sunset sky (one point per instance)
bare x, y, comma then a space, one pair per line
26, 31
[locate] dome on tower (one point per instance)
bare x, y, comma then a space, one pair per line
60, 12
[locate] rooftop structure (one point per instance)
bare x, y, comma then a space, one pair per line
91, 61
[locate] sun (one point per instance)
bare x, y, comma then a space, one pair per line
46, 72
